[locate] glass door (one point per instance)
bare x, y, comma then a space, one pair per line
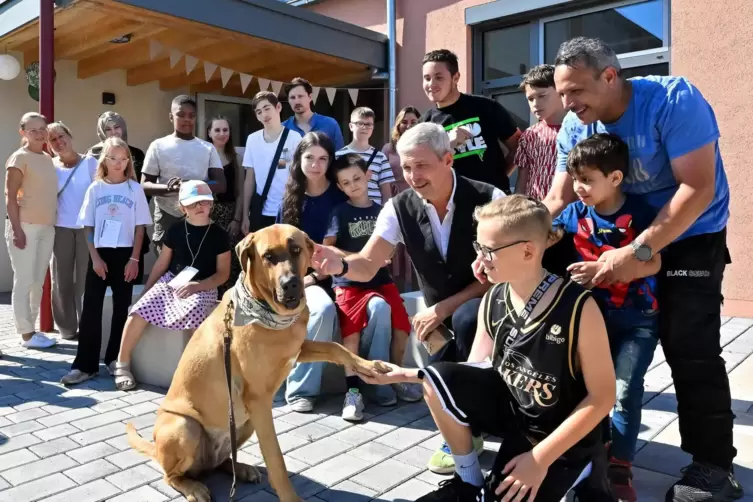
238, 111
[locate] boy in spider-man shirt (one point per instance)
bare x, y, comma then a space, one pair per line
606, 218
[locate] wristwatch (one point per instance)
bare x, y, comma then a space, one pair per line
641, 251
345, 268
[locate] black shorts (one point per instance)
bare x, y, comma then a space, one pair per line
476, 396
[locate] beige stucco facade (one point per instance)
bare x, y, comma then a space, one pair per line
78, 104
717, 64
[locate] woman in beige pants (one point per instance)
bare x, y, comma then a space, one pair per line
70, 255
31, 203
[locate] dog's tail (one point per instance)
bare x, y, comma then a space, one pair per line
138, 443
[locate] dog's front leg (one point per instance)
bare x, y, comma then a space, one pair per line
332, 352
261, 416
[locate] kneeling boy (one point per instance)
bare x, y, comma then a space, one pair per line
540, 374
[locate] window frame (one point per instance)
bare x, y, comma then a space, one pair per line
536, 21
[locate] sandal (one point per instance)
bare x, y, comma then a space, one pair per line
123, 377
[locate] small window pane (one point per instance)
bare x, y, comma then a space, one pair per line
517, 105
507, 52
661, 69
632, 28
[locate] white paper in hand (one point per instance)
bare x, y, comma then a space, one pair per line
110, 234
183, 278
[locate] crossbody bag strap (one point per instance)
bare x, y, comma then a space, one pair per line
371, 158
71, 176
275, 161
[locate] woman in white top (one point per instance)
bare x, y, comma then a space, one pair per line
114, 214
31, 203
70, 255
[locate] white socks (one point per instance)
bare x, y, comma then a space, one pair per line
468, 468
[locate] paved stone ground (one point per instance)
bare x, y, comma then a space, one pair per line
59, 444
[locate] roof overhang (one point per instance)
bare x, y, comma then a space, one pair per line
264, 38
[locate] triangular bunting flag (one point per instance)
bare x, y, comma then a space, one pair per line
353, 95
263, 83
175, 56
154, 49
191, 63
331, 91
276, 87
245, 80
225, 73
315, 93
209, 69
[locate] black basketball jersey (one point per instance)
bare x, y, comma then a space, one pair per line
539, 362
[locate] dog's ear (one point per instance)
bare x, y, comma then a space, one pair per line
245, 250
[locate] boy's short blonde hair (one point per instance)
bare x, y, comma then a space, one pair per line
363, 112
518, 214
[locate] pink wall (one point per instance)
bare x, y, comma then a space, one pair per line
718, 66
431, 24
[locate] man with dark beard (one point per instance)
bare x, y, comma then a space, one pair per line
305, 119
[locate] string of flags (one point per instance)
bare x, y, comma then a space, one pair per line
157, 48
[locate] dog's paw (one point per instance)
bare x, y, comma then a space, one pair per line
199, 493
247, 473
382, 368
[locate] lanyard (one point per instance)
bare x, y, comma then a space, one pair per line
193, 256
533, 300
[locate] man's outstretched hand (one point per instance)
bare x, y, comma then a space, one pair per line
326, 260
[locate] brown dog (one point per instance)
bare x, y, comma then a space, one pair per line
191, 433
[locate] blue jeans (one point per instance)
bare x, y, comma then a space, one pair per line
306, 379
632, 340
374, 344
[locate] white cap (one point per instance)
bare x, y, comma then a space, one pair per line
193, 191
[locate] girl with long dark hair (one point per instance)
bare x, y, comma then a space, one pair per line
227, 211
309, 199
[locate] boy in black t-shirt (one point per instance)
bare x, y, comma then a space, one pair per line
373, 319
476, 124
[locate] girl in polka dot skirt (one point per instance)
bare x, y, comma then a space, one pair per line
182, 288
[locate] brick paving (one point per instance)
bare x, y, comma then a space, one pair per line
59, 444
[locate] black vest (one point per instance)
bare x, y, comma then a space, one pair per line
440, 279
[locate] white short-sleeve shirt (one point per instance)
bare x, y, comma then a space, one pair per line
172, 157
388, 227
72, 198
259, 155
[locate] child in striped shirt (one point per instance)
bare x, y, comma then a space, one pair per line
382, 178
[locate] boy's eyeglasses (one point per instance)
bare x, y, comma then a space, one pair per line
488, 253
363, 125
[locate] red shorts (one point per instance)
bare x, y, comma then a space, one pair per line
351, 307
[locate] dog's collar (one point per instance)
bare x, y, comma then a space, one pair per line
250, 310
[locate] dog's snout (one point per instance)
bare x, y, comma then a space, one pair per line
291, 286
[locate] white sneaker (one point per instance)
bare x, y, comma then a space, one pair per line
76, 376
353, 406
39, 341
302, 405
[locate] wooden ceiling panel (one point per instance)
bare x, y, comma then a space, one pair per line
30, 32
72, 44
144, 32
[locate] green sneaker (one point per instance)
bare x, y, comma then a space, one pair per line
442, 461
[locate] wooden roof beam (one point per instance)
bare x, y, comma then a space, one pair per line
160, 68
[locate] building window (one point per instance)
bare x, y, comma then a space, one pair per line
631, 28
507, 52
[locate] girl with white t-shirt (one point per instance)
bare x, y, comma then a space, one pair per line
114, 214
70, 254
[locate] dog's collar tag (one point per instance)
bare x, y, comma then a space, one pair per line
250, 310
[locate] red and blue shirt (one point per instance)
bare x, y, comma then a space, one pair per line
593, 234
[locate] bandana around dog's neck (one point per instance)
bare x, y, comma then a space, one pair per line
249, 310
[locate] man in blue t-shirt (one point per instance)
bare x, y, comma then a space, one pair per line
676, 167
305, 119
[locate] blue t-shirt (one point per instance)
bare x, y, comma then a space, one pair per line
667, 118
327, 125
316, 211
353, 226
593, 234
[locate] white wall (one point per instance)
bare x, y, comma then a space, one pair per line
78, 103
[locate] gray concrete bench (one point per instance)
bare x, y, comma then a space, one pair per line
157, 354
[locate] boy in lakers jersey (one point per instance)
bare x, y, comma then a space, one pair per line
540, 375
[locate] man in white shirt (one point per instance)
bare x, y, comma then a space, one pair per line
181, 156
382, 178
435, 222
261, 147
